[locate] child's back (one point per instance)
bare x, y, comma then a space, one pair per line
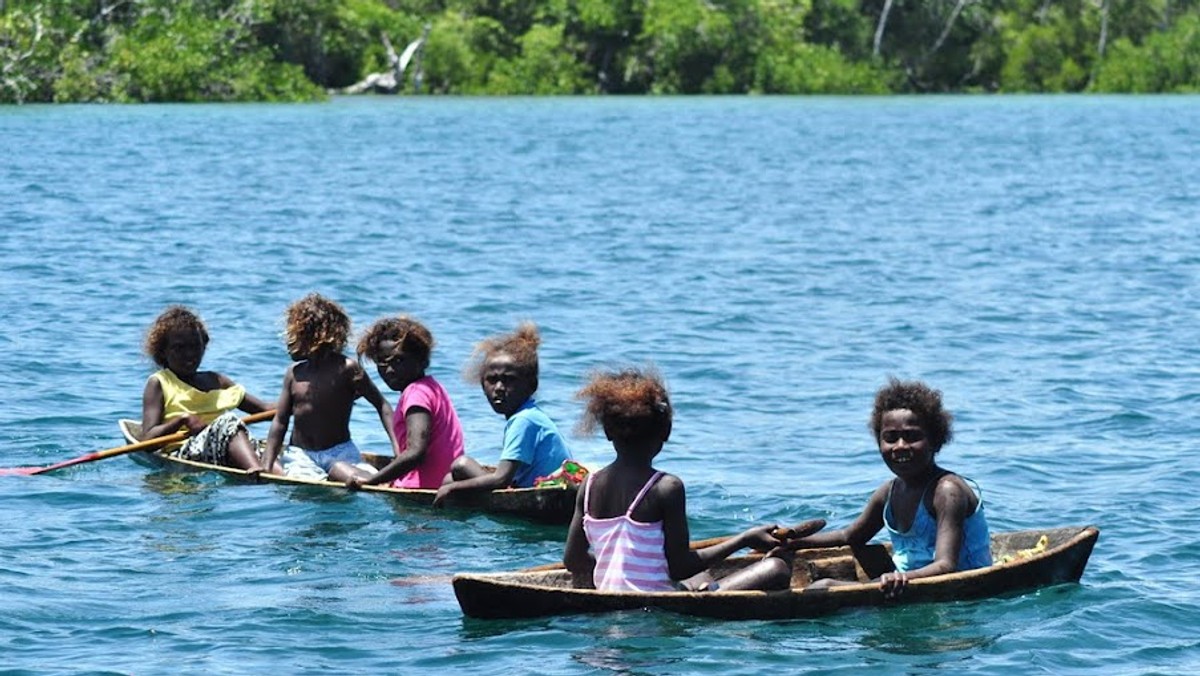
630, 529
623, 522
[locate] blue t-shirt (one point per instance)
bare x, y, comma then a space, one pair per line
531, 438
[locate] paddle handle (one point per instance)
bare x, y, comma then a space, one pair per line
156, 442
694, 545
798, 531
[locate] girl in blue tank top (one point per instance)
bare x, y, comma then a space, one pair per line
934, 518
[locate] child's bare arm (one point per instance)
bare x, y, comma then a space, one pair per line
249, 403
367, 390
682, 561
953, 502
279, 425
501, 478
152, 414
576, 557
862, 529
417, 423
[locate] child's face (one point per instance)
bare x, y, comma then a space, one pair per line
398, 368
506, 387
904, 444
185, 349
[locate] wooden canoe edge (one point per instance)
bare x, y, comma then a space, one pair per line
552, 506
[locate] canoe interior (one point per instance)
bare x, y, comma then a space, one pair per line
1021, 564
553, 506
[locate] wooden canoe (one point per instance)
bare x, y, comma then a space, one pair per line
554, 505
1022, 564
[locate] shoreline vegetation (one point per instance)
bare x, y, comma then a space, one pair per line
304, 50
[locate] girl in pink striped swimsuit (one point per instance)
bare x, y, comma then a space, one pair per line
630, 529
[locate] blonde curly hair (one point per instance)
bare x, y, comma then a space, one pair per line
316, 324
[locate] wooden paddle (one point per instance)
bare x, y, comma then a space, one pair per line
148, 444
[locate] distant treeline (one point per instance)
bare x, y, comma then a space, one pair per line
243, 50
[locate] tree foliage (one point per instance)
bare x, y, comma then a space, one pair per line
238, 50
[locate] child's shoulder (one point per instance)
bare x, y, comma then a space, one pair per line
954, 484
668, 482
349, 365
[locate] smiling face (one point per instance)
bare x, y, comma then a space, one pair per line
904, 444
506, 386
185, 349
398, 368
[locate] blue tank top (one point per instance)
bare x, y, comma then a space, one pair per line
915, 548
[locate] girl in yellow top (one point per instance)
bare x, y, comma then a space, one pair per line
180, 396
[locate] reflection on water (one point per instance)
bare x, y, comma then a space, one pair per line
925, 629
175, 484
639, 641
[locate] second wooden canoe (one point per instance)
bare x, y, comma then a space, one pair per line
1025, 560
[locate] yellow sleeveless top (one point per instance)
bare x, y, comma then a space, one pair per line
180, 399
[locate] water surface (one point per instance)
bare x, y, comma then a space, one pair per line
1037, 259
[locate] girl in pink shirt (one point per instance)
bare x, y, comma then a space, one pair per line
426, 425
630, 529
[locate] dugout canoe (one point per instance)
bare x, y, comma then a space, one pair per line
554, 505
1025, 560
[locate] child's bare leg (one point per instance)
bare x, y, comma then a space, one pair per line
827, 582
243, 454
466, 467
343, 471
774, 571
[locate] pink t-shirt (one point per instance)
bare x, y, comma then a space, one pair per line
445, 433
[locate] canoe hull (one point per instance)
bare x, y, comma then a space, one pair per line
553, 506
543, 593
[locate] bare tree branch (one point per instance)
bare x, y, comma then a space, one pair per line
390, 80
958, 8
1103, 28
883, 17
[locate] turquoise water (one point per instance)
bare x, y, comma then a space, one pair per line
1037, 259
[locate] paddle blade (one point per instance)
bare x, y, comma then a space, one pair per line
147, 445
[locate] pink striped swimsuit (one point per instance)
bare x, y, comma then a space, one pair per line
629, 554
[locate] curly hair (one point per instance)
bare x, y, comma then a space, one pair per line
316, 324
522, 345
175, 317
410, 334
925, 403
628, 404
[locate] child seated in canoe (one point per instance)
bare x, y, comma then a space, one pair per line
428, 434
506, 368
180, 396
630, 529
319, 391
934, 518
